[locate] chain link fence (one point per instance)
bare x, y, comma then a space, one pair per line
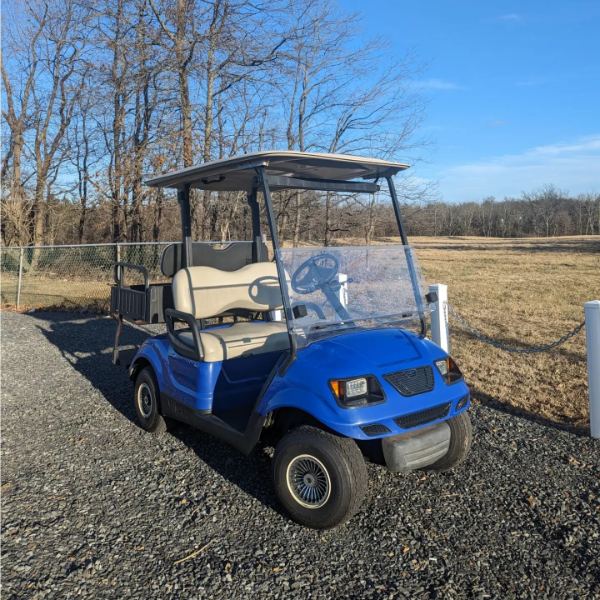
70, 276
80, 277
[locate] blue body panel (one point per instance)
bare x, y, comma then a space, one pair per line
195, 384
374, 352
305, 384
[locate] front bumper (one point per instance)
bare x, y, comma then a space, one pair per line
415, 450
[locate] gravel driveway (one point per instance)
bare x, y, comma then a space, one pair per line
94, 507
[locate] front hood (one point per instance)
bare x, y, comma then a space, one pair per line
376, 352
372, 351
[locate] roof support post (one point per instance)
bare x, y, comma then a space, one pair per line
183, 196
256, 233
396, 206
287, 307
409, 258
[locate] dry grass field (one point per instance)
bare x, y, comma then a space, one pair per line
520, 291
523, 291
47, 291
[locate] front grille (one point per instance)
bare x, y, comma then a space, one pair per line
375, 429
423, 416
412, 381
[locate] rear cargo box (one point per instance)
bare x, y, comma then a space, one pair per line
141, 303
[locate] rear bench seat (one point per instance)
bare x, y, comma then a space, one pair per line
207, 292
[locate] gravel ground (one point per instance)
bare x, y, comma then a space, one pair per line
94, 507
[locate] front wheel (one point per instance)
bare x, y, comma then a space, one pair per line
461, 436
146, 401
320, 478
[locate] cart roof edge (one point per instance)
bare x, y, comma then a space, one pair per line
238, 173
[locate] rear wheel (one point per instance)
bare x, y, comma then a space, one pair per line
461, 436
320, 478
147, 402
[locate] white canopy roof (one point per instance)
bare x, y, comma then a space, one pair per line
238, 173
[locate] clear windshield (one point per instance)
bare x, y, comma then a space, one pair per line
335, 288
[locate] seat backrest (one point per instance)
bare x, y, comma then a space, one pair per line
228, 256
207, 292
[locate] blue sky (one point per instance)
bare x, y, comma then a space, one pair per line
512, 91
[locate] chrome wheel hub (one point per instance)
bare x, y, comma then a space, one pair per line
145, 400
308, 481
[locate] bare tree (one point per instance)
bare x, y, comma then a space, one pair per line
23, 48
40, 106
327, 110
98, 92
177, 20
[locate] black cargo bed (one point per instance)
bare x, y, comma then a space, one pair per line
142, 303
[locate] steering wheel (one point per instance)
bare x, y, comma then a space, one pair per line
315, 273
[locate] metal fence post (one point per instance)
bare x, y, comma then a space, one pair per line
20, 277
592, 338
439, 316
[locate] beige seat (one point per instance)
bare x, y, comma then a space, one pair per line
240, 339
206, 292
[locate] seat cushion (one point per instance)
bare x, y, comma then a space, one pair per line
239, 339
207, 292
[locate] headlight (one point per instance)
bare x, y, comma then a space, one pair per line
357, 391
356, 387
448, 370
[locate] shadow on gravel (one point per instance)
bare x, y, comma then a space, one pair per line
492, 402
86, 343
252, 474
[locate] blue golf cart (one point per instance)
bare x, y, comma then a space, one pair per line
314, 349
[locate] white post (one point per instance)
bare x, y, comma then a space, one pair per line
20, 278
343, 281
439, 316
592, 337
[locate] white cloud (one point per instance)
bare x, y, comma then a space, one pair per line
435, 85
588, 143
572, 166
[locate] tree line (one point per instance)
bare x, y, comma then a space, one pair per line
99, 93
547, 212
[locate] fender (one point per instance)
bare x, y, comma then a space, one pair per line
148, 352
304, 400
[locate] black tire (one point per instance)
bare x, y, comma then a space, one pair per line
335, 460
461, 436
146, 399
